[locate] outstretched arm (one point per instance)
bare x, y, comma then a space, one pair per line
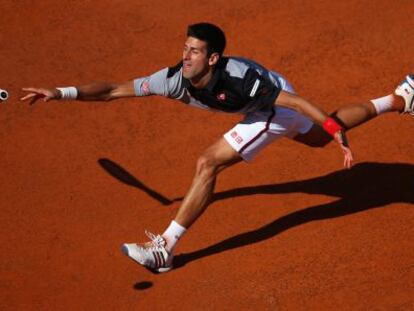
96, 91
155, 84
295, 102
292, 101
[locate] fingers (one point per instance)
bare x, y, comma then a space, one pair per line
35, 90
28, 96
35, 94
348, 158
340, 137
31, 89
347, 162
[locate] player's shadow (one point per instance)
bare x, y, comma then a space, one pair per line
117, 171
365, 186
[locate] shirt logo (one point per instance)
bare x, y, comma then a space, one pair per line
145, 88
221, 96
236, 137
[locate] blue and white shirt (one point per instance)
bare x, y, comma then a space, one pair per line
238, 85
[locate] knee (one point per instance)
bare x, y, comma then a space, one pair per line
207, 165
215, 159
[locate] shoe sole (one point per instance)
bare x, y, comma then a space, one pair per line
125, 250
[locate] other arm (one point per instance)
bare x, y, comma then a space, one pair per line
301, 105
292, 101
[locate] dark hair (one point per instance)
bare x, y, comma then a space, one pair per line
211, 34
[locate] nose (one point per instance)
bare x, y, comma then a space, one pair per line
186, 55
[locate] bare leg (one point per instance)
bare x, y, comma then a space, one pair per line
353, 115
158, 254
215, 159
349, 117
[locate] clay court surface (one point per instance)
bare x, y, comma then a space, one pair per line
290, 231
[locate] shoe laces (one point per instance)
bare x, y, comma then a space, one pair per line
157, 241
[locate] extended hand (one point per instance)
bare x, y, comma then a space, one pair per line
35, 94
346, 150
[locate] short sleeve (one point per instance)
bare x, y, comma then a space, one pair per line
258, 91
155, 84
167, 82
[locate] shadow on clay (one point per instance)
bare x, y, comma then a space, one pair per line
117, 171
365, 186
143, 285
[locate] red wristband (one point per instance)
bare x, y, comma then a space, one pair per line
331, 126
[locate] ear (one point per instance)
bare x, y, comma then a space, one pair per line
214, 58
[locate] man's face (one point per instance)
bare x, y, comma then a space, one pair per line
195, 60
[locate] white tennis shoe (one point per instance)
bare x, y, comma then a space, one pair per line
151, 255
406, 91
